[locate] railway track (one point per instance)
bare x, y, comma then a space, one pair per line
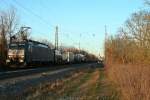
4, 75
19, 84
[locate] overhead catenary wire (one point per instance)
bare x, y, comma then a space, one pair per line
33, 13
36, 15
41, 19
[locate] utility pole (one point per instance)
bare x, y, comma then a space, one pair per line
79, 43
105, 33
56, 44
56, 38
79, 46
105, 42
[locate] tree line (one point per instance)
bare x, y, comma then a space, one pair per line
132, 43
127, 57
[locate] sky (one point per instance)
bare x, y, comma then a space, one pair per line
78, 21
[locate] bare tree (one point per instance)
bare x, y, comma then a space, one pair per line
132, 44
3, 42
10, 22
147, 2
8, 26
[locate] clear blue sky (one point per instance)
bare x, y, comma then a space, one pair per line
78, 20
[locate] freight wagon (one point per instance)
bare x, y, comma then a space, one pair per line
79, 58
57, 56
68, 57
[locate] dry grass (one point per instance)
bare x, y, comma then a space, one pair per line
90, 85
87, 84
50, 90
132, 80
92, 81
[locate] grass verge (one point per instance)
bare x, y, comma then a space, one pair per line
87, 84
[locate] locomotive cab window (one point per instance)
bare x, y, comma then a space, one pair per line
17, 46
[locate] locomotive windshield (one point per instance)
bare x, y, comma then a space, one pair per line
17, 46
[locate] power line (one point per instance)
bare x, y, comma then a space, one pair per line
36, 15
33, 13
27, 10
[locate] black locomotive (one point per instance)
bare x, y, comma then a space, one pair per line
29, 52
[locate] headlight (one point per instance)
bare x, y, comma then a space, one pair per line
10, 56
7, 61
21, 56
20, 60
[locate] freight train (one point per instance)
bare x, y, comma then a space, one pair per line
28, 52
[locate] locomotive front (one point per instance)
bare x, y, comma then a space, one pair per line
16, 53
